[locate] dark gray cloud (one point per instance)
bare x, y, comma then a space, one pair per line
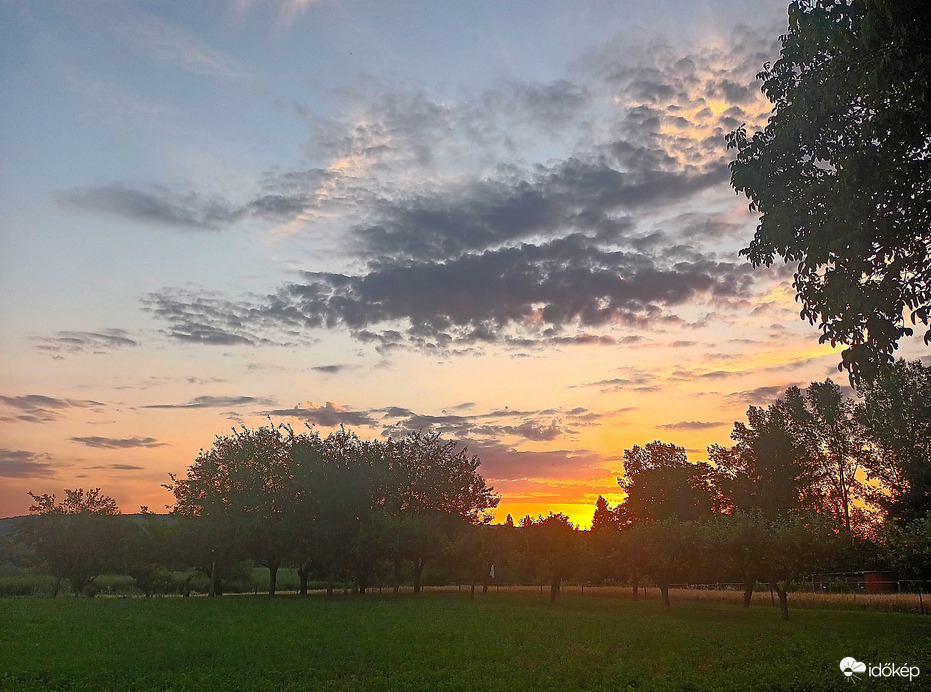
117, 467
214, 402
591, 195
630, 379
504, 463
330, 369
156, 205
84, 342
20, 464
491, 426
118, 443
760, 396
691, 425
37, 408
680, 375
516, 253
328, 416
536, 292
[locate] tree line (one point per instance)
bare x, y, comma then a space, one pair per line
814, 481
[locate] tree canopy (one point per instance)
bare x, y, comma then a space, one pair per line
841, 174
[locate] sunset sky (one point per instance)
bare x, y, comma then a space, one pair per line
509, 222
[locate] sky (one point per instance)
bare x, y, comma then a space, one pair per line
509, 223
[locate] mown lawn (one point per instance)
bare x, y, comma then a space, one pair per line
443, 642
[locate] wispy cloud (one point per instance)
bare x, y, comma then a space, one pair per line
691, 425
155, 205
118, 443
177, 47
84, 342
37, 408
288, 10
215, 402
20, 464
328, 415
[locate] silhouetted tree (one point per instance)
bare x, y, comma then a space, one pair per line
77, 538
552, 544
908, 548
668, 550
793, 547
837, 445
740, 544
241, 492
896, 413
661, 483
840, 174
770, 469
604, 518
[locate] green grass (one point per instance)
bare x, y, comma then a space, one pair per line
442, 642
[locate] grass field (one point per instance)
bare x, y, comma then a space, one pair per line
444, 641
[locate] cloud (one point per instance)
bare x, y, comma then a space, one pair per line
173, 46
117, 467
84, 342
214, 402
156, 205
760, 396
330, 369
501, 462
288, 10
516, 253
329, 415
118, 443
630, 379
19, 464
37, 408
691, 425
541, 293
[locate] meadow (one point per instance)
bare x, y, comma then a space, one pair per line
444, 641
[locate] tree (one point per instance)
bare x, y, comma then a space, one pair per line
605, 519
896, 413
661, 483
432, 487
770, 469
741, 539
241, 492
669, 550
909, 549
793, 547
837, 444
840, 174
552, 544
77, 538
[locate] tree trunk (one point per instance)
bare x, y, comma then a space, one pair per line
472, 591
748, 592
303, 574
782, 590
397, 576
273, 577
418, 574
636, 589
664, 591
57, 586
214, 578
554, 590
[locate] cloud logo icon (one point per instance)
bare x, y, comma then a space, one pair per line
850, 666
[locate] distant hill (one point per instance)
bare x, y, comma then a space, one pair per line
8, 524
